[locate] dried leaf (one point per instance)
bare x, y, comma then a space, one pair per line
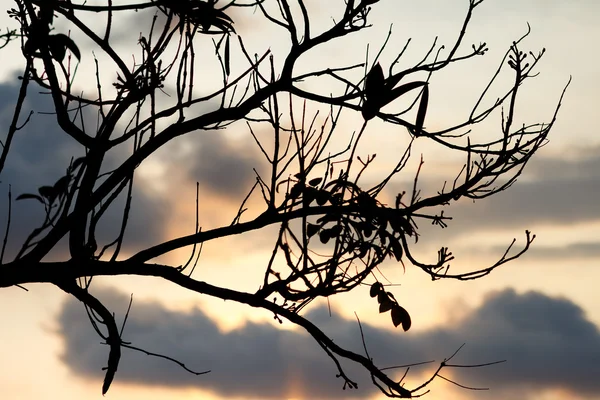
336, 199
370, 109
57, 49
400, 90
401, 316
227, 68
422, 110
396, 248
323, 197
335, 230
367, 229
312, 229
374, 93
324, 236
375, 289
59, 44
310, 194
385, 306
314, 182
363, 250
48, 192
26, 196
296, 190
77, 162
374, 82
62, 185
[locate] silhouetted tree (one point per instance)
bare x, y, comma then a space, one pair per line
312, 191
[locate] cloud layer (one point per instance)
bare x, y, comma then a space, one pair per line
548, 344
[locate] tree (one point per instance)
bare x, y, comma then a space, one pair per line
334, 228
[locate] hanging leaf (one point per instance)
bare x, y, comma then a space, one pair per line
370, 109
378, 252
386, 306
32, 46
227, 69
57, 49
312, 229
367, 229
47, 192
366, 202
374, 92
396, 248
310, 194
322, 197
383, 234
59, 44
374, 82
363, 250
379, 93
76, 163
200, 13
26, 196
327, 218
314, 182
393, 94
422, 110
401, 225
401, 316
296, 190
391, 296
324, 236
222, 21
62, 185
335, 230
393, 80
408, 228
395, 225
336, 199
375, 289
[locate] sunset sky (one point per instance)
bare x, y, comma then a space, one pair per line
541, 312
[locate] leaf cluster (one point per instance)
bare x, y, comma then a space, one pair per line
379, 92
39, 40
387, 302
200, 13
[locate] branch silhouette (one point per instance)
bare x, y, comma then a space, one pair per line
334, 228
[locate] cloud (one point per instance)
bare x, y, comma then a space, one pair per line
579, 250
548, 342
222, 167
256, 360
223, 164
553, 191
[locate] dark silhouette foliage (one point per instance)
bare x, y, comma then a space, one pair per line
313, 194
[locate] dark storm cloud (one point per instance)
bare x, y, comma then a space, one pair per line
547, 341
39, 155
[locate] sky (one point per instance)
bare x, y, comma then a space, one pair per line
541, 312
